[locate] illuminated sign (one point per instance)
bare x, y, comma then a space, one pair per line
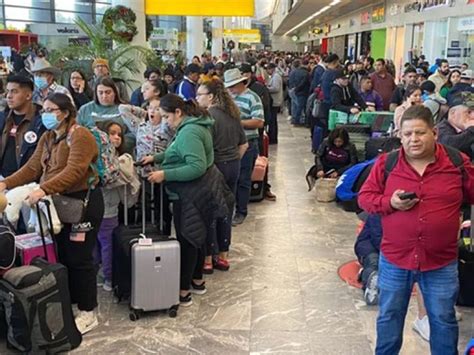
200, 8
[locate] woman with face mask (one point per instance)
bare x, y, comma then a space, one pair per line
63, 163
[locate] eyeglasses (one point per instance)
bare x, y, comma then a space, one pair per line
153, 109
202, 93
49, 110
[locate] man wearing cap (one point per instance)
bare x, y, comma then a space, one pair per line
344, 97
186, 89
45, 82
275, 87
101, 68
458, 130
252, 118
464, 85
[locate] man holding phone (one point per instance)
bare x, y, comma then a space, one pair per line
420, 203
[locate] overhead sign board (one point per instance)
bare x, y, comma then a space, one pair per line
200, 8
244, 35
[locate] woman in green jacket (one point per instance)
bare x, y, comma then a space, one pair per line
188, 157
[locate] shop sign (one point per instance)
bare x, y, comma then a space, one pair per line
466, 24
364, 18
49, 29
243, 35
164, 33
199, 8
431, 4
455, 44
378, 14
394, 9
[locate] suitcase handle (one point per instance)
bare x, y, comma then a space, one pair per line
47, 203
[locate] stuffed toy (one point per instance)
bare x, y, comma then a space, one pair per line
17, 199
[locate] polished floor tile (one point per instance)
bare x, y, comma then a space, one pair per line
282, 294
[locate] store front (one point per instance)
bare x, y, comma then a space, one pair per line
395, 48
437, 30
416, 48
460, 46
377, 43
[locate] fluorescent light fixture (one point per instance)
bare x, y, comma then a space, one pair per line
319, 12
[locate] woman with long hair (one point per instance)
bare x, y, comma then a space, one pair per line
63, 163
453, 78
230, 144
79, 88
413, 96
193, 183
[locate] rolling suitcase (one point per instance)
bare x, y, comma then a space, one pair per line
155, 272
259, 179
466, 269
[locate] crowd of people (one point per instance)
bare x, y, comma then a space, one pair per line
199, 129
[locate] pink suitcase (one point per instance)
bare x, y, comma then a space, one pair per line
30, 246
260, 169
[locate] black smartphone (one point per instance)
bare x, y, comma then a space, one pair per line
407, 196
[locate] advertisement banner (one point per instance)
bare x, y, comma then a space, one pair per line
378, 14
244, 35
200, 8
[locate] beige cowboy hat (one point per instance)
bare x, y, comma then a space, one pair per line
42, 65
233, 77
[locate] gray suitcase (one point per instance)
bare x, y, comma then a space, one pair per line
155, 270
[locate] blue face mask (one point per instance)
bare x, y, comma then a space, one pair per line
50, 121
41, 82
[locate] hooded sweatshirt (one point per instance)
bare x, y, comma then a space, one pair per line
191, 151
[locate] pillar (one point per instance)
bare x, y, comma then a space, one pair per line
194, 37
217, 36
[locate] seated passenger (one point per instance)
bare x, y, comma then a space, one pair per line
79, 88
367, 249
335, 153
344, 97
458, 130
433, 100
371, 97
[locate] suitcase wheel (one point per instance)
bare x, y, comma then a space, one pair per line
172, 312
134, 315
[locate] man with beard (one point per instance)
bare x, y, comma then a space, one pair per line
441, 75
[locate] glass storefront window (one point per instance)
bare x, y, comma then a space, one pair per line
22, 14
43, 4
69, 17
74, 5
101, 7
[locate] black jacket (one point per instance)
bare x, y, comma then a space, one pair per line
299, 80
202, 201
345, 98
463, 141
322, 164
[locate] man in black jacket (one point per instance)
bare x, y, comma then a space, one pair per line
299, 85
344, 97
458, 130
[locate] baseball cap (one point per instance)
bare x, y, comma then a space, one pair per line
246, 68
467, 74
464, 98
341, 74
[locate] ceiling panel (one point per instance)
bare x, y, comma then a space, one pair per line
305, 8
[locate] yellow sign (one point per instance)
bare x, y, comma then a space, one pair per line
200, 8
244, 36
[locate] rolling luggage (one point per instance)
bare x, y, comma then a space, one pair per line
466, 269
37, 307
259, 179
375, 146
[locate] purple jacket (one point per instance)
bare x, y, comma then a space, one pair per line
373, 97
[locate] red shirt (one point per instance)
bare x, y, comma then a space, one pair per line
425, 237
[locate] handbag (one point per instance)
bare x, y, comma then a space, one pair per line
71, 210
326, 189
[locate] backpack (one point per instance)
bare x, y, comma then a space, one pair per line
345, 188
107, 164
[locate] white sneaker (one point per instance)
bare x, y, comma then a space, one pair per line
107, 286
289, 118
422, 327
86, 321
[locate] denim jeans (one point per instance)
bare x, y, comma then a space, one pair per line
220, 232
298, 105
440, 290
244, 184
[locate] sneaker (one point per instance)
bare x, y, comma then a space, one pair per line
86, 321
371, 293
185, 301
198, 289
422, 327
221, 264
100, 279
238, 219
107, 286
208, 269
289, 118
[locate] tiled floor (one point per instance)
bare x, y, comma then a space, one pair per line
282, 294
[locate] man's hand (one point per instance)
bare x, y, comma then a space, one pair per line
320, 174
156, 176
402, 205
355, 110
333, 175
35, 196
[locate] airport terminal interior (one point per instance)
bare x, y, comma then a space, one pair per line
236, 177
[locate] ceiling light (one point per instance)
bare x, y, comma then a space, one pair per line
319, 12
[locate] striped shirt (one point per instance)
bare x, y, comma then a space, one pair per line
39, 97
251, 108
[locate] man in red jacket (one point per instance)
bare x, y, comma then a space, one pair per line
420, 232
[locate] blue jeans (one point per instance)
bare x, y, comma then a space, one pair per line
220, 232
245, 179
440, 290
298, 105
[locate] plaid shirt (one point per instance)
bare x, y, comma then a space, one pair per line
38, 97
